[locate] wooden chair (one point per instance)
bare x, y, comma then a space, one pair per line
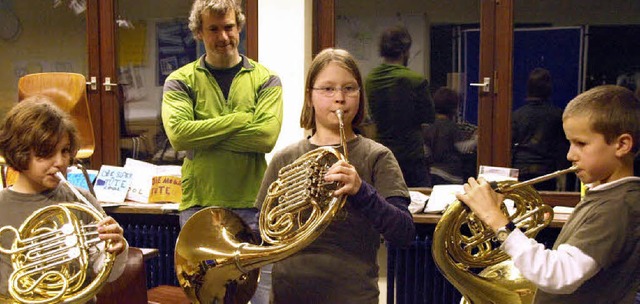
131, 286
69, 92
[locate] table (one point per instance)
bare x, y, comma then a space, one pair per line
149, 253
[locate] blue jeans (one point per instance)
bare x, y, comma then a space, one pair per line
263, 292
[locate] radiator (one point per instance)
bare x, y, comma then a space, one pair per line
413, 277
149, 231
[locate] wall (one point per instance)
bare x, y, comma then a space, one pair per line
284, 45
284, 37
51, 39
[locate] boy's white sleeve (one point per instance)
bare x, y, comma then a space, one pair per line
560, 271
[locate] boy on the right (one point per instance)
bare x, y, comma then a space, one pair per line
596, 257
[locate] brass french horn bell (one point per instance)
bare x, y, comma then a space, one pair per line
461, 243
216, 256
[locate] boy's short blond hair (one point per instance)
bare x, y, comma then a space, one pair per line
612, 111
35, 126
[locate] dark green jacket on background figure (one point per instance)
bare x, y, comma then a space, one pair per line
399, 102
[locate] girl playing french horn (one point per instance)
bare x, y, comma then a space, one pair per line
340, 265
39, 140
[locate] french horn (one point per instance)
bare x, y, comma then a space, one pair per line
462, 245
50, 254
216, 256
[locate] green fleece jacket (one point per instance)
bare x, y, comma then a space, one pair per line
225, 139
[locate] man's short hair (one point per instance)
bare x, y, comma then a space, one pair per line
219, 7
394, 42
539, 84
446, 101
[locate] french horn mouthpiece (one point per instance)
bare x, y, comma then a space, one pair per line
497, 187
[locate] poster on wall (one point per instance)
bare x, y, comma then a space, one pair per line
175, 45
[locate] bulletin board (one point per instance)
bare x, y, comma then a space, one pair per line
175, 46
360, 36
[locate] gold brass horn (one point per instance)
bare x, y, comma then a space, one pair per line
216, 258
461, 242
50, 255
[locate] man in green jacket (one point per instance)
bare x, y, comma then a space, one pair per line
225, 110
399, 103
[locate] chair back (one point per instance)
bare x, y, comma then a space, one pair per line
69, 92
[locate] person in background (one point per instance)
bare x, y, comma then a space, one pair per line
400, 102
39, 140
596, 256
340, 266
467, 144
225, 111
538, 142
443, 139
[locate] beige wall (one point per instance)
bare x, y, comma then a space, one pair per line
50, 39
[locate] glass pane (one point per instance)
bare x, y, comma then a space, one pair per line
150, 44
51, 40
439, 50
582, 44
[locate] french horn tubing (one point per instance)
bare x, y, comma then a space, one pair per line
216, 257
51, 251
462, 243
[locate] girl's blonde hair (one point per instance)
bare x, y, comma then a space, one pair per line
344, 60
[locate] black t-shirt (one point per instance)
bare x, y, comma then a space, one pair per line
224, 77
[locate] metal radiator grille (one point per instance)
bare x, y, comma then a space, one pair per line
149, 231
413, 277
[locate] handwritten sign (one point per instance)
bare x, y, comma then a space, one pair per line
144, 179
141, 182
112, 184
166, 189
76, 177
